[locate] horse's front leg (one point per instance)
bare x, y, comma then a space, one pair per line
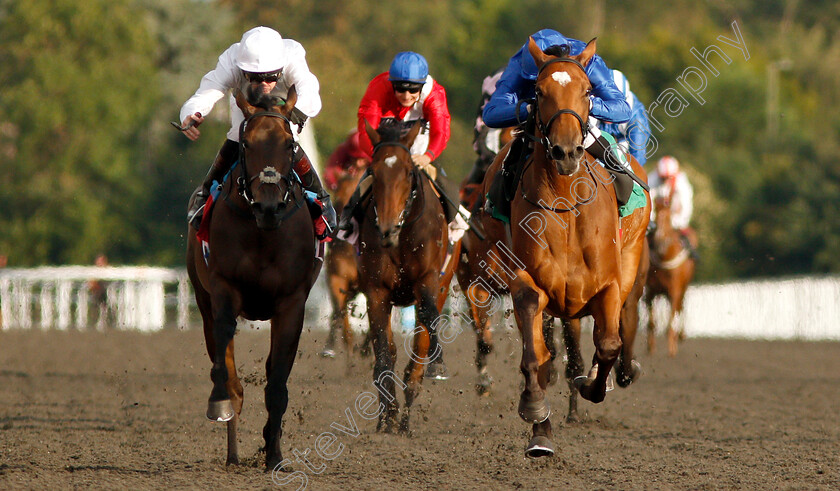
529, 301
606, 311
286, 327
225, 309
628, 368
385, 354
425, 352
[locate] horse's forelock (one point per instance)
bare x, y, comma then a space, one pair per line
389, 132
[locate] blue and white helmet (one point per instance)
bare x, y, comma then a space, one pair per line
408, 66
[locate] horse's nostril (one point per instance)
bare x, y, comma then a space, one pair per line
557, 153
578, 151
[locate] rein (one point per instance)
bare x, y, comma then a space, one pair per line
415, 190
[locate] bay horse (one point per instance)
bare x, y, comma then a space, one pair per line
342, 273
671, 271
403, 248
261, 267
571, 255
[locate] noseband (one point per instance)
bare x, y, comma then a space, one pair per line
269, 175
545, 127
414, 188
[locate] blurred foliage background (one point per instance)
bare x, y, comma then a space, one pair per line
89, 164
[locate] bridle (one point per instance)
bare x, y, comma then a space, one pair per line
544, 127
269, 175
414, 176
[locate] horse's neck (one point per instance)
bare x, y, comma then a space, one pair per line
665, 238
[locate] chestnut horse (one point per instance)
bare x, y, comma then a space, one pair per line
404, 239
342, 273
671, 271
261, 266
570, 254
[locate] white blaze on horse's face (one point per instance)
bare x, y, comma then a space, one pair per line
561, 78
390, 161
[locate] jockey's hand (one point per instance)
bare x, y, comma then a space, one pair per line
424, 162
191, 122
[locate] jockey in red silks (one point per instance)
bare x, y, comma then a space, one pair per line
262, 62
347, 158
403, 95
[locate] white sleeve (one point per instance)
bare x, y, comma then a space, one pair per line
296, 72
213, 85
686, 197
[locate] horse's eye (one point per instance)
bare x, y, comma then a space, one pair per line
245, 143
588, 92
538, 91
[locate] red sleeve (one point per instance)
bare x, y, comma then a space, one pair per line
436, 111
335, 165
371, 109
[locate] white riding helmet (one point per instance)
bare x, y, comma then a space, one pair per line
261, 50
668, 167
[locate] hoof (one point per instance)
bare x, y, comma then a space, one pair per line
484, 384
539, 446
437, 371
404, 428
220, 410
328, 353
533, 412
625, 380
234, 460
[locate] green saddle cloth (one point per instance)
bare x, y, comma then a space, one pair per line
637, 200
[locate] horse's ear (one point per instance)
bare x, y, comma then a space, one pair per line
588, 52
539, 57
372, 134
408, 139
242, 102
291, 99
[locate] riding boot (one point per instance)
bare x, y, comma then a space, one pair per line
614, 162
224, 160
503, 185
312, 183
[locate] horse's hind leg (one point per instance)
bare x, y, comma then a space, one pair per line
529, 301
606, 311
234, 387
628, 369
548, 336
480, 300
574, 364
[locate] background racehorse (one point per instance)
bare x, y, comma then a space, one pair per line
342, 273
671, 271
570, 254
404, 241
262, 266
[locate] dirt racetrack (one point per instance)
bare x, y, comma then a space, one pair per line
125, 410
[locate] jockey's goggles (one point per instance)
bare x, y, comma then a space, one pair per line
256, 78
410, 87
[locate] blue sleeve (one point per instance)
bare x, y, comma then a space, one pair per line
501, 110
638, 132
608, 102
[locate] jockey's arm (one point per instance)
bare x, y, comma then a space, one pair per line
608, 102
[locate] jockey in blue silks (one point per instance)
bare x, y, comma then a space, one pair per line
515, 91
632, 136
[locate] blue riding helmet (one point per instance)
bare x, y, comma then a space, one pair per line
408, 66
